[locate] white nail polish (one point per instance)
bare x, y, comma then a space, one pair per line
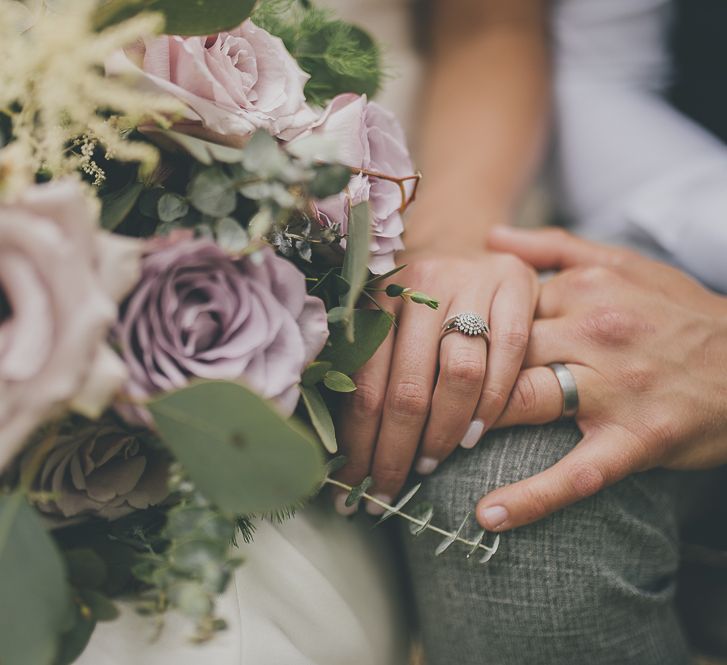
341, 508
425, 465
473, 434
374, 508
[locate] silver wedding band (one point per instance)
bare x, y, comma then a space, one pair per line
467, 323
569, 389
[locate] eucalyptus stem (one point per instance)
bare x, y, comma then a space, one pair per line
422, 524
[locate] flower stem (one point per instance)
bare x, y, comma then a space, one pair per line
409, 518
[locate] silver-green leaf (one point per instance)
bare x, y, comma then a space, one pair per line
320, 417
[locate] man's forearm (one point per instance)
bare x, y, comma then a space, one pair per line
484, 119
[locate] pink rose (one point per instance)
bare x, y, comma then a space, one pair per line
233, 83
60, 280
369, 138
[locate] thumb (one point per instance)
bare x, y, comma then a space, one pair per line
548, 249
596, 462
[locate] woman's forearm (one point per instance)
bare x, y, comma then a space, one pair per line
484, 118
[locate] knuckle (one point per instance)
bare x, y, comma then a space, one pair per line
409, 397
514, 339
494, 399
464, 367
366, 400
592, 278
611, 325
524, 396
585, 479
638, 376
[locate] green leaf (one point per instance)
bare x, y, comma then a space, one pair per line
75, 641
339, 382
315, 373
337, 315
36, 607
116, 206
86, 569
230, 235
320, 417
423, 512
400, 503
449, 540
355, 262
239, 451
329, 179
212, 192
182, 17
370, 329
171, 207
102, 609
354, 496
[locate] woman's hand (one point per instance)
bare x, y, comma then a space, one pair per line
647, 346
419, 397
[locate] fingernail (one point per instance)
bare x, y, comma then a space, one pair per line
374, 508
473, 434
425, 465
341, 508
493, 517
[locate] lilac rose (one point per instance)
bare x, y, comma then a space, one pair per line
61, 278
370, 139
198, 312
232, 83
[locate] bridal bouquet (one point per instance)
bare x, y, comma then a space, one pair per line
199, 206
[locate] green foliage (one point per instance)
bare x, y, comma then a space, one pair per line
117, 205
370, 328
212, 193
320, 417
355, 262
339, 57
315, 373
237, 449
182, 17
338, 382
36, 607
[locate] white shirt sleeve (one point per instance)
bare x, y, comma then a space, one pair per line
630, 164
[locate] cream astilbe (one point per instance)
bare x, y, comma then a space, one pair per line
53, 87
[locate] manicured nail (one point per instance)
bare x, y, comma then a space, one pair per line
341, 508
493, 517
376, 509
425, 465
473, 434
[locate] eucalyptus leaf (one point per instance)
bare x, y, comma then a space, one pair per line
240, 452
339, 382
336, 315
36, 607
203, 151
102, 609
182, 17
117, 205
263, 157
491, 550
355, 263
400, 503
423, 512
329, 179
171, 207
320, 417
75, 641
212, 192
449, 540
370, 329
231, 236
355, 495
477, 542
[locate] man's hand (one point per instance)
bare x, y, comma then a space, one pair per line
647, 346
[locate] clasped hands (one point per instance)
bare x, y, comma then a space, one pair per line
646, 344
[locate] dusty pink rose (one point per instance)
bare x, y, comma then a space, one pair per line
370, 138
233, 83
60, 280
197, 312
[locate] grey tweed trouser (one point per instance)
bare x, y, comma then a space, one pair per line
591, 585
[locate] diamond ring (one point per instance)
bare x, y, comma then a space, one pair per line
467, 323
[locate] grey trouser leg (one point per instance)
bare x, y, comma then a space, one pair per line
590, 585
